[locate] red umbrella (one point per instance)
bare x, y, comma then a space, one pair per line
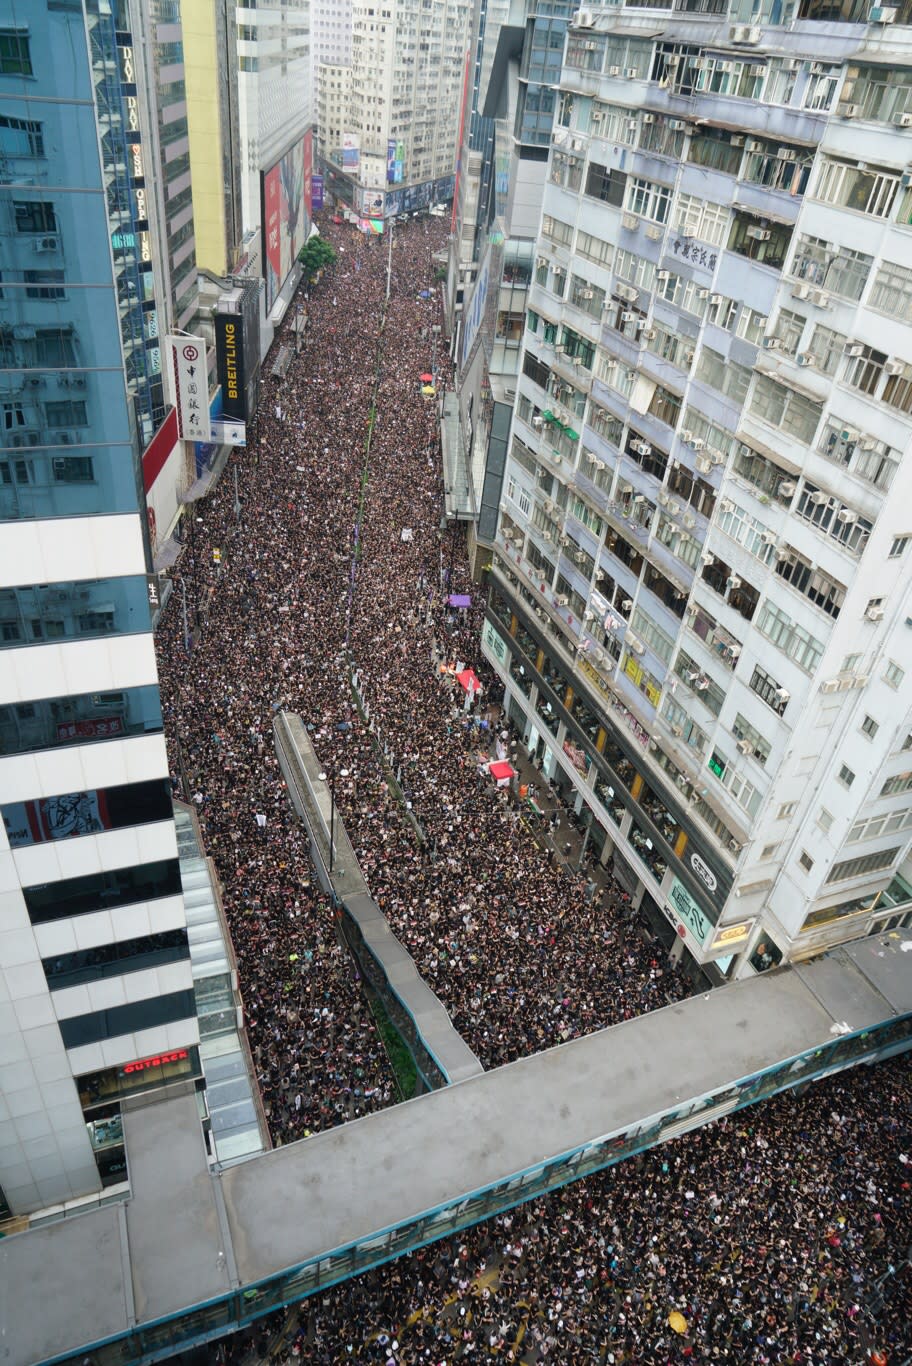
426, 379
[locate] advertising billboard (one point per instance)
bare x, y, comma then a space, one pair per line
286, 189
351, 152
316, 193
229, 357
395, 161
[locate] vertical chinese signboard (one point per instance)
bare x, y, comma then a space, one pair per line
188, 371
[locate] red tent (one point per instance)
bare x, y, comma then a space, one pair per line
501, 772
470, 680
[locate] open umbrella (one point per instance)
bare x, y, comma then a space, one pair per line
429, 390
677, 1321
426, 379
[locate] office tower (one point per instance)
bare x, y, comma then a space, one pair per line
404, 107
96, 996
211, 83
701, 596
276, 117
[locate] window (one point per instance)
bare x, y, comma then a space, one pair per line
648, 199
821, 89
845, 775
749, 735
838, 270
866, 190
113, 960
833, 518
15, 56
713, 147
101, 891
899, 547
806, 861
869, 727
779, 168
873, 827
785, 408
901, 782
768, 850
788, 329
20, 137
116, 1020
605, 184
760, 239
67, 413
594, 248
695, 217
897, 391
44, 284
34, 215
871, 460
764, 474
786, 809
793, 640
865, 863
893, 674
556, 231
891, 292
726, 376
665, 406
864, 371
828, 348
824, 819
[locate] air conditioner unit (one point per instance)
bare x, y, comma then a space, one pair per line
804, 358
538, 422
707, 557
686, 435
758, 234
597, 116
590, 47
704, 464
725, 67
632, 73
649, 118
903, 121
894, 367
628, 317
600, 465
786, 488
630, 125
45, 244
698, 443
702, 293
561, 600
867, 443
831, 685
819, 298
771, 344
818, 497
737, 140
627, 604
875, 614
583, 18
848, 111
663, 274
549, 505
854, 349
745, 747
655, 233
792, 64
630, 222
639, 499
768, 537
753, 145
846, 516
782, 695
880, 15
648, 334
641, 447
677, 125
587, 293
717, 457
689, 521
801, 291
563, 540
677, 730
627, 292
614, 71
561, 350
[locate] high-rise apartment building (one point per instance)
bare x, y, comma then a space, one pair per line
404, 107
701, 598
96, 993
211, 84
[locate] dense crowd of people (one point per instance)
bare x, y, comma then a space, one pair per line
336, 561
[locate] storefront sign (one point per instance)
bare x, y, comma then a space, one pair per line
159, 1061
229, 357
188, 371
495, 643
703, 872
729, 935
685, 912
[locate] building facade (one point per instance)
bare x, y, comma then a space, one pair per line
96, 993
404, 107
211, 84
702, 598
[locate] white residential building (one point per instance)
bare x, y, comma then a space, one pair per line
702, 586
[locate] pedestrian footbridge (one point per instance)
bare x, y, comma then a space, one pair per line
195, 1252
